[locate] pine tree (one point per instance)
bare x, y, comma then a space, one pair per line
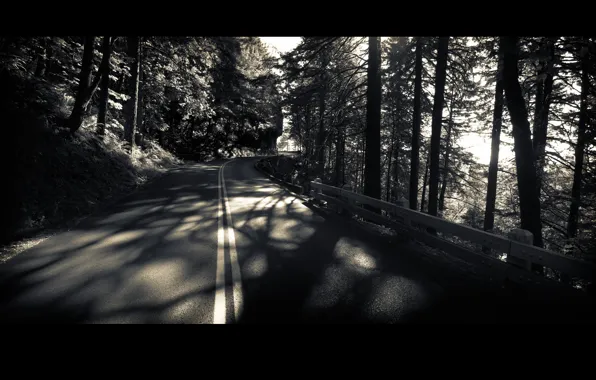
76, 116
372, 179
491, 192
440, 77
134, 52
524, 157
416, 128
105, 84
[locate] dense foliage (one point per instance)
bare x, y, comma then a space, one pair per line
197, 97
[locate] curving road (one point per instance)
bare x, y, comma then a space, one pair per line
219, 243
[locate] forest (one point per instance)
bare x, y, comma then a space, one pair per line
389, 117
92, 117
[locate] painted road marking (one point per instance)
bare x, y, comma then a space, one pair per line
236, 276
219, 309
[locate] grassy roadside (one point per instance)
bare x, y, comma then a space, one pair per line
69, 178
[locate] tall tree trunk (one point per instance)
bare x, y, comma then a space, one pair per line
388, 176
446, 162
105, 85
308, 145
320, 145
141, 112
579, 147
389, 157
543, 99
539, 96
76, 116
120, 83
91, 90
415, 154
537, 135
362, 157
524, 155
396, 150
424, 181
435, 141
356, 178
343, 159
491, 192
339, 157
372, 182
131, 120
329, 151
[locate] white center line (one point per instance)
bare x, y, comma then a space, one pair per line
219, 308
236, 276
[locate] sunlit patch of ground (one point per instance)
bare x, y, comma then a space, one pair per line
333, 286
393, 296
256, 266
163, 286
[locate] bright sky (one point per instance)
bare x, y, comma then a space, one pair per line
479, 146
281, 44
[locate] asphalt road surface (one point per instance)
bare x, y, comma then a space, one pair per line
220, 243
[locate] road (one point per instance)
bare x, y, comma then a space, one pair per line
220, 243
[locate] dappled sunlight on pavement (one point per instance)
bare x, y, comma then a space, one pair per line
299, 267
153, 258
143, 260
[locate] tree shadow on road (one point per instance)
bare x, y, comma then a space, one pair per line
312, 267
301, 267
133, 262
152, 259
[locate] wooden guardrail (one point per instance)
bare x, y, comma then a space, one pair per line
259, 165
290, 152
518, 247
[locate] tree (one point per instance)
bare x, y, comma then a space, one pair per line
544, 87
134, 52
581, 141
524, 155
396, 114
189, 107
491, 191
76, 116
105, 85
448, 146
325, 100
321, 134
437, 120
372, 175
415, 159
424, 183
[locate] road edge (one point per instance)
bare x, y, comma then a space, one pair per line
288, 186
12, 249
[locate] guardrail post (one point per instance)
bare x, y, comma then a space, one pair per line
346, 187
403, 202
316, 190
525, 237
564, 277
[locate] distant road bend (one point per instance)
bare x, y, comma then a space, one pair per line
220, 243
